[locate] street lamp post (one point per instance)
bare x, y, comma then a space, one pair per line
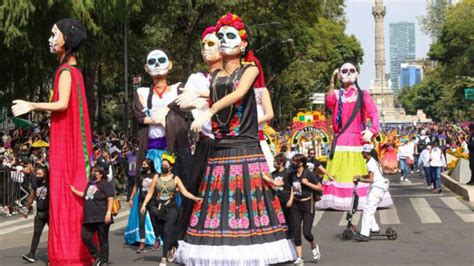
125, 66
383, 103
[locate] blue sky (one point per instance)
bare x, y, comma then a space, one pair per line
361, 23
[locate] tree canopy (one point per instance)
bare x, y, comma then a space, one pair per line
441, 93
298, 42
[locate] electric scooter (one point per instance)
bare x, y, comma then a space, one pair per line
350, 228
348, 233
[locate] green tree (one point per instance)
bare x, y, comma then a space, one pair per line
298, 43
441, 94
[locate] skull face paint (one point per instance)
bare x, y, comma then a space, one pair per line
157, 63
54, 39
210, 48
348, 73
230, 40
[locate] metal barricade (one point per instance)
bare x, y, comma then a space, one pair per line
13, 193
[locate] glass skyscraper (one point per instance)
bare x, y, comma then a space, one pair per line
402, 48
410, 75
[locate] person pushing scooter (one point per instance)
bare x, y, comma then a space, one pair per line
378, 187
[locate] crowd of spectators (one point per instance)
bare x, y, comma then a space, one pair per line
116, 153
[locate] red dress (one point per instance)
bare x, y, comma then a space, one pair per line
69, 159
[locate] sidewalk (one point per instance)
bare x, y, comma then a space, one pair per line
466, 191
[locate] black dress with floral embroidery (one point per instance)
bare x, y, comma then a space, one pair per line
238, 222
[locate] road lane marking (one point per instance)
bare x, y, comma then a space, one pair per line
417, 195
15, 228
17, 220
355, 218
460, 209
122, 214
317, 217
389, 216
424, 211
119, 225
11, 229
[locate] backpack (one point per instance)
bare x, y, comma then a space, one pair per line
422, 143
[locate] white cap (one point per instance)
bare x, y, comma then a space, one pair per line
367, 148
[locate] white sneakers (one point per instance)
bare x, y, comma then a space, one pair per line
402, 178
298, 261
316, 254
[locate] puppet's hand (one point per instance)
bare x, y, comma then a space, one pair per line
21, 107
199, 103
203, 118
367, 135
159, 115
186, 97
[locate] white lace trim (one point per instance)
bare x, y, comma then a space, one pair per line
245, 255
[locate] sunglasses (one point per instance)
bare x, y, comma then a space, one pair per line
152, 61
345, 70
312, 154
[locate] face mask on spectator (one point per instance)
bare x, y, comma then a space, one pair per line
165, 169
145, 170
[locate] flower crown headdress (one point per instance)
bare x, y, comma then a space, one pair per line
169, 157
233, 21
236, 22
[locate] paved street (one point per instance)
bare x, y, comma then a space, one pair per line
433, 229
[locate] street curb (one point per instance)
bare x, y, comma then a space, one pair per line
466, 191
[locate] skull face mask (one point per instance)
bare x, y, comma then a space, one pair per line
230, 41
53, 40
157, 63
210, 48
348, 73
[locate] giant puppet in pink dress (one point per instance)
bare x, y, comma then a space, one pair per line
347, 160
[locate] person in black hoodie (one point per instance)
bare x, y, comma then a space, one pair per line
98, 199
39, 191
304, 184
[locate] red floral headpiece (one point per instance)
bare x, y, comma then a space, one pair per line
208, 30
232, 21
237, 23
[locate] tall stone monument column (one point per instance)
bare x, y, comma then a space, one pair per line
380, 88
379, 11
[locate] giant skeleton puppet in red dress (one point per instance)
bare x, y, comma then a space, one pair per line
70, 146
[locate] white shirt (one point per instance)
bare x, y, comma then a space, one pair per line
424, 158
200, 83
158, 131
405, 151
465, 147
437, 157
379, 180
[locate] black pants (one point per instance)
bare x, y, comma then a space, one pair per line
304, 213
289, 218
141, 221
471, 166
166, 227
40, 222
88, 231
130, 184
